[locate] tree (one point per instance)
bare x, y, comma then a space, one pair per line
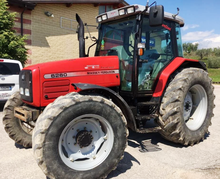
202, 53
216, 52
190, 47
195, 47
12, 46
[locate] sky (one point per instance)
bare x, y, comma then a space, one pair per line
201, 17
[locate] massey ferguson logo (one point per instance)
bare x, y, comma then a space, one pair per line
101, 72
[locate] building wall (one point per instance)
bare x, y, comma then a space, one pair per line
55, 38
52, 40
26, 26
26, 22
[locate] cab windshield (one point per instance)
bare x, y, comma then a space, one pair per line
117, 38
116, 34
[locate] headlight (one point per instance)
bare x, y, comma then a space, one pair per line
104, 17
130, 10
121, 12
99, 19
22, 91
27, 92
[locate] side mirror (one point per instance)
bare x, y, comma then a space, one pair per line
156, 15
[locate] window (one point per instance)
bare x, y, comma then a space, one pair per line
106, 8
9, 68
117, 38
69, 24
179, 41
157, 53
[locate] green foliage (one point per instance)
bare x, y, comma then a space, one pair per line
12, 46
214, 62
190, 47
203, 52
217, 51
214, 74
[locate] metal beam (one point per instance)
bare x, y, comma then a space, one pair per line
77, 1
22, 4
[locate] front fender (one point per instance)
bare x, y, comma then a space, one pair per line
115, 97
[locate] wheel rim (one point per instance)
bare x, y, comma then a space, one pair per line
195, 107
26, 127
86, 142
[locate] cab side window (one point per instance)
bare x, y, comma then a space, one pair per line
157, 53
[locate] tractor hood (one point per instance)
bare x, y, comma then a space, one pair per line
47, 81
76, 65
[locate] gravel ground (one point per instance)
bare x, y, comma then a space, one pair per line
163, 159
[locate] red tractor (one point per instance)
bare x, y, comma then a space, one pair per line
76, 113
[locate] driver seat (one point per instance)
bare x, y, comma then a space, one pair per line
146, 68
126, 68
122, 54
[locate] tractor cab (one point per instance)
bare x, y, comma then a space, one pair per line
144, 40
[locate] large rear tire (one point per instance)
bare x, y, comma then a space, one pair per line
79, 136
17, 130
187, 107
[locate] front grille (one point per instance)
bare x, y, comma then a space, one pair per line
54, 89
25, 82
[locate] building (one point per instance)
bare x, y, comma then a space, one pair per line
50, 25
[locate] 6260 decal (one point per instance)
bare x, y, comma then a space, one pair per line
58, 75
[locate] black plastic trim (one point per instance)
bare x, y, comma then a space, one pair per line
25, 81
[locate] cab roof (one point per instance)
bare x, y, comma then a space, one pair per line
131, 10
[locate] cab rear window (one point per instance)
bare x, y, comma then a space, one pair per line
9, 68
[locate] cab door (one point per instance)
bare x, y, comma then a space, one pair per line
158, 52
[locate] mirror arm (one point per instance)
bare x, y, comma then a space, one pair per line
90, 47
92, 38
147, 6
153, 3
174, 15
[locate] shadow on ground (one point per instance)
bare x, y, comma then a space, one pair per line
1, 106
124, 165
143, 143
21, 146
149, 141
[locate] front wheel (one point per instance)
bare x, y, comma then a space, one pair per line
17, 130
187, 107
80, 137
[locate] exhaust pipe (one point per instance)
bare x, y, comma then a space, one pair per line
81, 38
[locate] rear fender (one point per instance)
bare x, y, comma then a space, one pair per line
176, 64
115, 97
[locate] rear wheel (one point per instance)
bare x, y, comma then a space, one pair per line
79, 137
187, 107
18, 130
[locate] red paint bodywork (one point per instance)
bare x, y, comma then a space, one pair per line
166, 74
54, 87
46, 91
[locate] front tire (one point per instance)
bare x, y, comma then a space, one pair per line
187, 107
17, 130
79, 137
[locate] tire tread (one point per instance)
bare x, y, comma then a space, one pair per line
54, 109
